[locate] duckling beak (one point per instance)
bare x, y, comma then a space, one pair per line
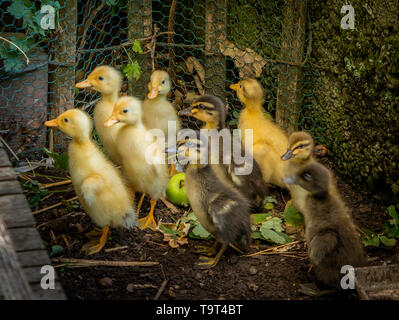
287, 156
186, 112
110, 122
235, 86
83, 84
289, 180
51, 123
153, 93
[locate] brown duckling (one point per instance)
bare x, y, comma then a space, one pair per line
220, 208
331, 235
211, 110
299, 153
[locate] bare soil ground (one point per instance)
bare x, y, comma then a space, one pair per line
274, 276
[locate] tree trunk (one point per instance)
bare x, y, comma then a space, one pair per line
62, 76
289, 95
140, 26
215, 34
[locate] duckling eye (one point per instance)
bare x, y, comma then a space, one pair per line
125, 110
301, 146
307, 176
163, 81
66, 120
100, 78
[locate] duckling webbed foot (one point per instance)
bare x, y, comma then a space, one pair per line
208, 262
95, 246
207, 250
149, 221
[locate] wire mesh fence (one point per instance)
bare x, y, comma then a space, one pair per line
204, 45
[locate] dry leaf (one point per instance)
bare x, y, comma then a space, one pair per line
248, 62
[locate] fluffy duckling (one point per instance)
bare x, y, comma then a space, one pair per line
212, 112
220, 208
157, 110
330, 233
299, 153
97, 182
106, 80
269, 140
142, 156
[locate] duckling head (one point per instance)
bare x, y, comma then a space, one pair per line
300, 146
191, 148
314, 178
74, 123
159, 84
126, 110
248, 91
208, 109
104, 79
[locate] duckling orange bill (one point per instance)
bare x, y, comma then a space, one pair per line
84, 84
110, 122
51, 123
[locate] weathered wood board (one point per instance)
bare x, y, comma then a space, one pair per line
22, 253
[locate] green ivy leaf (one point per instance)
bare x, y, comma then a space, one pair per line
257, 218
268, 206
389, 242
137, 46
199, 232
392, 212
374, 241
132, 70
257, 235
34, 200
60, 159
273, 236
274, 223
21, 9
293, 217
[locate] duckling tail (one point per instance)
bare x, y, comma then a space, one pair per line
130, 219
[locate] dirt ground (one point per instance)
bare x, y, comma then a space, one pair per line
235, 277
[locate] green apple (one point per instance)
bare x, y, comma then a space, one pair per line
176, 192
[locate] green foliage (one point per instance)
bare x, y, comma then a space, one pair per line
197, 231
293, 217
60, 159
26, 10
56, 250
387, 238
268, 228
34, 193
133, 69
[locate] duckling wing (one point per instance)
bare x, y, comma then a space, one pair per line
321, 245
90, 186
231, 220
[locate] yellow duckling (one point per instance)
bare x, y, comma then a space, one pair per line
106, 80
331, 235
157, 110
299, 153
269, 140
143, 159
98, 184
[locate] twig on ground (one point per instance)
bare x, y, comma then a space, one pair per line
54, 184
161, 289
9, 148
53, 206
170, 205
274, 249
104, 263
115, 249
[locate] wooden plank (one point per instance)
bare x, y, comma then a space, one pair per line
33, 258
7, 173
4, 162
50, 294
13, 284
10, 187
26, 239
15, 211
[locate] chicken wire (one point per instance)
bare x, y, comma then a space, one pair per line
204, 45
